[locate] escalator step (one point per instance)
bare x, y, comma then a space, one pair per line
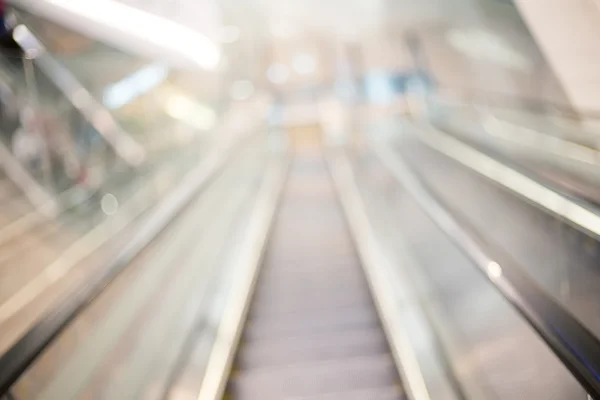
289, 281
322, 291
283, 306
304, 348
314, 378
387, 393
319, 321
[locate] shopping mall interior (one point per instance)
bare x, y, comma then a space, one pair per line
301, 199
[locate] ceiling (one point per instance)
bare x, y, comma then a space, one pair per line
466, 35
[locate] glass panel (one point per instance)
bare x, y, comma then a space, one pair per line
172, 291
556, 256
78, 112
157, 105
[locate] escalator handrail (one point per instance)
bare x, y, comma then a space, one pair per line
514, 102
17, 359
568, 338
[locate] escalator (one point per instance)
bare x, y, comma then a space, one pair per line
315, 326
312, 330
345, 282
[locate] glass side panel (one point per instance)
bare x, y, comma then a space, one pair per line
73, 190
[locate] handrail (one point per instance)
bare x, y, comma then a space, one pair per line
513, 101
25, 351
571, 342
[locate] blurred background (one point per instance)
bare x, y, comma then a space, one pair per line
359, 199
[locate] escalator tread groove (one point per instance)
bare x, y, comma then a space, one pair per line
312, 330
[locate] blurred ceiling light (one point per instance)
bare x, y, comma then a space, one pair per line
278, 73
130, 22
131, 87
190, 112
304, 64
484, 45
241, 90
230, 34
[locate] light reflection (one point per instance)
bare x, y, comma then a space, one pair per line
29, 43
109, 204
494, 270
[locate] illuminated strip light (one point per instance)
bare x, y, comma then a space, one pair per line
129, 22
540, 141
511, 179
134, 85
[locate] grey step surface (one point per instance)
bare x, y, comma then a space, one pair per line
312, 330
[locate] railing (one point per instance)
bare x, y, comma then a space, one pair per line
573, 343
560, 149
532, 105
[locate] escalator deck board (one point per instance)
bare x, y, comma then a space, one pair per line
312, 330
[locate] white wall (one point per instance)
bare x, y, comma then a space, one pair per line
568, 32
